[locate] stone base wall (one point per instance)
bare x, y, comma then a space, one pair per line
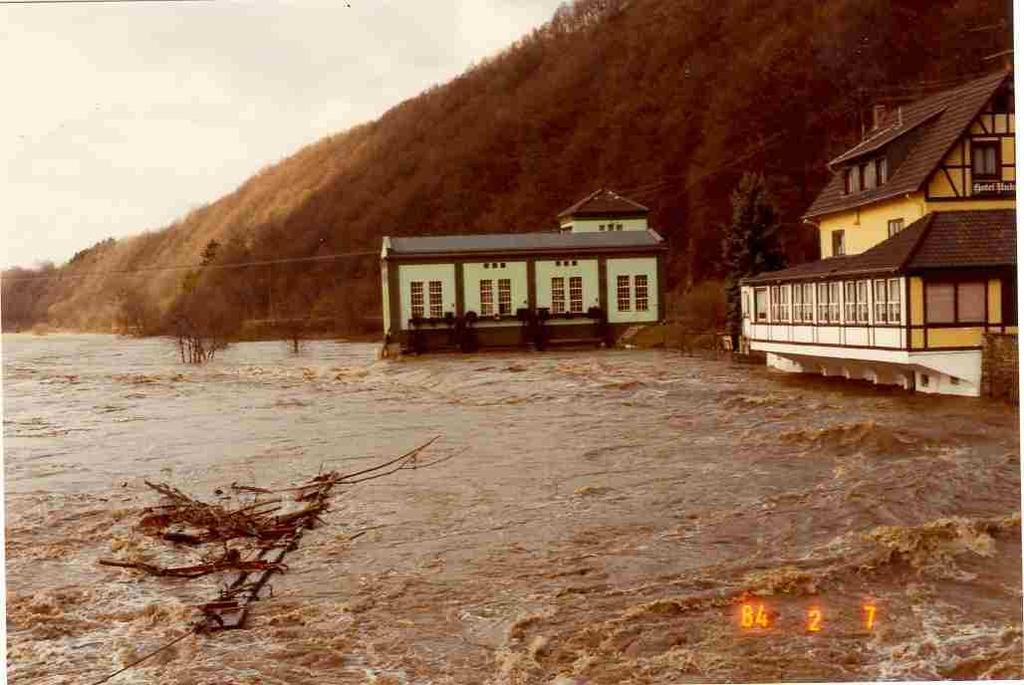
999, 367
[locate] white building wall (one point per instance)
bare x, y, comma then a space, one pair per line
856, 335
594, 225
829, 335
407, 273
964, 365
889, 337
472, 274
385, 297
647, 266
587, 268
955, 372
805, 334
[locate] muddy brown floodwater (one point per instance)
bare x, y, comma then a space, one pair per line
604, 518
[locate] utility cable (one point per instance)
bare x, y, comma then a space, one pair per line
188, 267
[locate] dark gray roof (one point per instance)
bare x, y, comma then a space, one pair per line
975, 238
937, 122
524, 242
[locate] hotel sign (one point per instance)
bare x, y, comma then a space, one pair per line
994, 188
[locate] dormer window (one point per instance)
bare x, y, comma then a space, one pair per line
868, 174
852, 180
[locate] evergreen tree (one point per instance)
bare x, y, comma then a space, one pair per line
751, 243
210, 252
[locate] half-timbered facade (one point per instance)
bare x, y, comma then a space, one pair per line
600, 273
918, 242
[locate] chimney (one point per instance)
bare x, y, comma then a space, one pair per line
877, 115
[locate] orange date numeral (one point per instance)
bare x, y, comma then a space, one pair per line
869, 616
751, 616
814, 620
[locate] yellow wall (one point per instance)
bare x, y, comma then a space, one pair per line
916, 301
1008, 151
955, 337
966, 205
939, 183
995, 301
963, 336
869, 225
994, 123
916, 312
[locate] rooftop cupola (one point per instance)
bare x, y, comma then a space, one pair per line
604, 211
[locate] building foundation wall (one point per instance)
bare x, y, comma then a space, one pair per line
1000, 376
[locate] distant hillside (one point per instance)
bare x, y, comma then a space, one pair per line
666, 101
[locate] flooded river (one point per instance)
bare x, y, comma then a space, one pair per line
606, 517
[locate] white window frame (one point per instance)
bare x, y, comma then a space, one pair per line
486, 297
879, 285
435, 294
575, 294
893, 301
822, 301
558, 295
641, 292
761, 312
850, 301
504, 296
835, 292
416, 299
623, 294
863, 310
887, 300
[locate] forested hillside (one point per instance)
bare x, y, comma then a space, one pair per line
665, 101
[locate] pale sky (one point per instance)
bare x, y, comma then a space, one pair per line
118, 118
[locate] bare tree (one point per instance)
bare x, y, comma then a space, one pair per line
202, 325
299, 300
136, 315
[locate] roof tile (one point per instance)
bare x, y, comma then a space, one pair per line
972, 238
524, 242
604, 203
939, 121
975, 238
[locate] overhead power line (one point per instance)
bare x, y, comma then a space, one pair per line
657, 185
189, 267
